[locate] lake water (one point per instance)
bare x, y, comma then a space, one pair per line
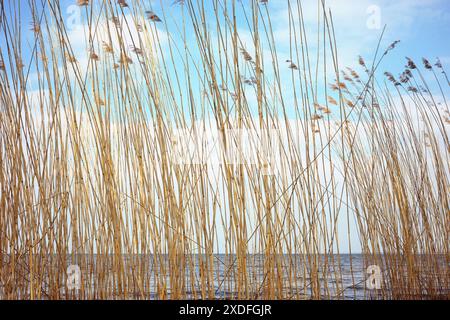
224, 277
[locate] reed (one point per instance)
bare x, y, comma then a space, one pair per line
97, 168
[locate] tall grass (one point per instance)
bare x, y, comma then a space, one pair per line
88, 176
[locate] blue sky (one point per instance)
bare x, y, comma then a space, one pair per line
421, 25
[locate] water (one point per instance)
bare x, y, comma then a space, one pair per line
216, 277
